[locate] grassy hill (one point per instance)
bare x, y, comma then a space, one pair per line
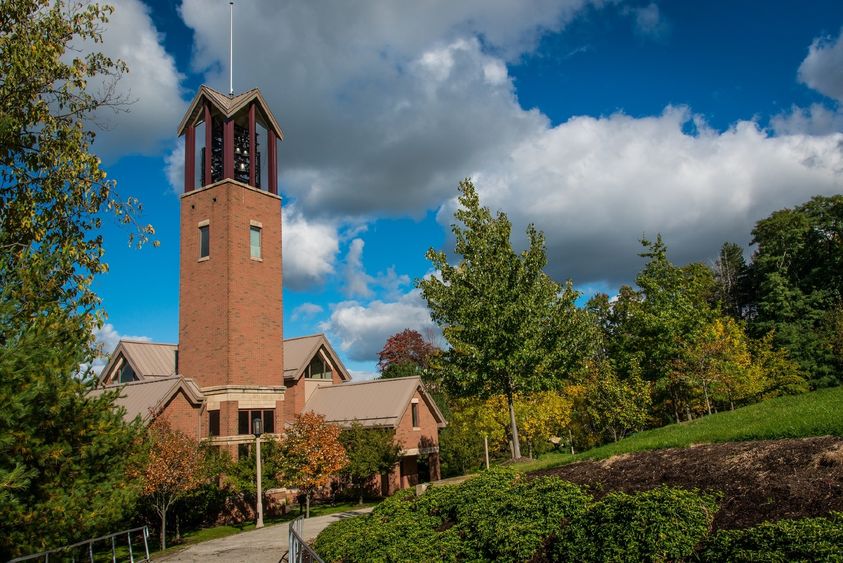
819, 413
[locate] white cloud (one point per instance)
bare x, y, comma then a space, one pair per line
822, 69
356, 279
648, 20
306, 311
387, 106
152, 85
595, 185
814, 120
174, 167
309, 249
362, 329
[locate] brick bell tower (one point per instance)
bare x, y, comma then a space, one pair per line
230, 301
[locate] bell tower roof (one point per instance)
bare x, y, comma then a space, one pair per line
228, 106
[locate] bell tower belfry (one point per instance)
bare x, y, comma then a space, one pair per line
230, 299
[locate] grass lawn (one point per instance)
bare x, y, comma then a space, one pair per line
818, 413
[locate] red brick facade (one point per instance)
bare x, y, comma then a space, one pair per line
230, 305
183, 415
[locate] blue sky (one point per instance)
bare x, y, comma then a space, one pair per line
598, 121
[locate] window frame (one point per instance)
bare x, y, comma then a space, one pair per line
204, 240
213, 423
415, 415
253, 228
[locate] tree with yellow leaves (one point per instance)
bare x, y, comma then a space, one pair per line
310, 454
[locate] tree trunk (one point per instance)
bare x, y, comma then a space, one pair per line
571, 440
307, 501
163, 514
516, 444
705, 392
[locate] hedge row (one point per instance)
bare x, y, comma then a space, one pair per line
501, 516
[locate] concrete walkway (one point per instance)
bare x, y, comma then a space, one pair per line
266, 545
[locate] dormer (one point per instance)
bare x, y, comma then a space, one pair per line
230, 138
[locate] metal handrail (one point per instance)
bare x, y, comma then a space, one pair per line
90, 543
299, 550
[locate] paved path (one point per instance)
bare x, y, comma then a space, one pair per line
266, 545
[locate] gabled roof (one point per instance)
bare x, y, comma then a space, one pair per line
147, 359
145, 399
298, 352
228, 106
381, 402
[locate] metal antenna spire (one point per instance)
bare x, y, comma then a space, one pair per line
231, 47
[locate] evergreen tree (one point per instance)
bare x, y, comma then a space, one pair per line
64, 455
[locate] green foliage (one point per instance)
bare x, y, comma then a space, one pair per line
658, 525
370, 451
52, 188
732, 278
613, 406
64, 455
511, 329
797, 274
503, 517
807, 539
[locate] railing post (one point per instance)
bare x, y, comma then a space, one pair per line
131, 555
113, 550
145, 541
91, 551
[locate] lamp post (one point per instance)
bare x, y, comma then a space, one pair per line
257, 430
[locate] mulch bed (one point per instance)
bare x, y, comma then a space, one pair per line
763, 480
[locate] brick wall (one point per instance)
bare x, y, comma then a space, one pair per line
230, 306
182, 415
427, 434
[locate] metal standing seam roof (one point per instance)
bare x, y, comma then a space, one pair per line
299, 351
228, 106
147, 359
146, 398
381, 402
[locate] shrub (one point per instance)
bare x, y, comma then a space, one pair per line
341, 540
806, 539
657, 525
402, 528
504, 517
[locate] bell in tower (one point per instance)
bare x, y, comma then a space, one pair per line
230, 138
230, 259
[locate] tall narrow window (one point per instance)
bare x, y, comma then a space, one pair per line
255, 241
213, 423
204, 241
415, 415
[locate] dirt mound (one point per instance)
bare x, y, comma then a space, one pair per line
764, 480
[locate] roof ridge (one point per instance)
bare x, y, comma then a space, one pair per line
156, 379
136, 341
314, 335
365, 381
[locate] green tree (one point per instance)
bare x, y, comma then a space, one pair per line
64, 454
52, 188
732, 276
797, 276
511, 329
370, 451
615, 406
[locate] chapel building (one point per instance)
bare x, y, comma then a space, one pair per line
232, 364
